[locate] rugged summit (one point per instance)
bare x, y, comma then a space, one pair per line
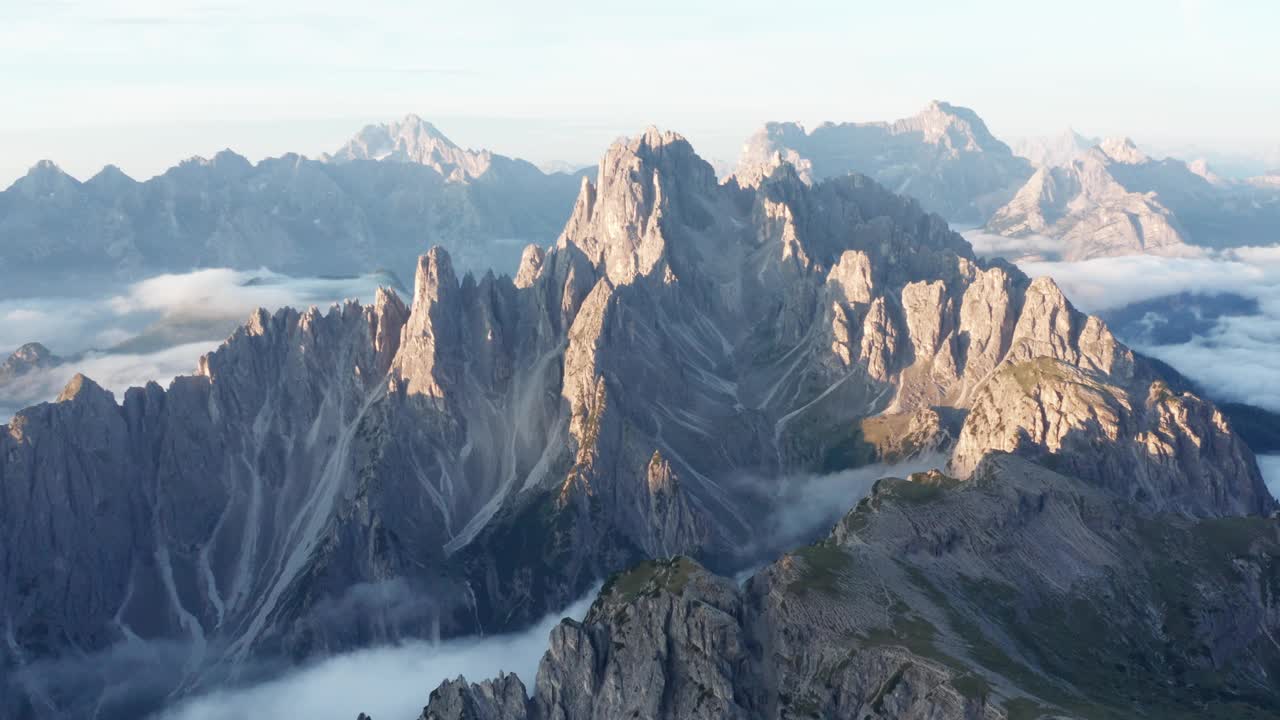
944, 157
1115, 200
414, 140
294, 215
32, 356
467, 461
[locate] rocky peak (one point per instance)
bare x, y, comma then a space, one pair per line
388, 321
413, 140
414, 126
1164, 451
435, 277
851, 279
780, 132
770, 147
410, 135
31, 356
619, 221
1110, 200
424, 363
1049, 327
110, 179
45, 169
958, 127
502, 698
230, 163
82, 389
1075, 138
1201, 167
45, 179
530, 264
1122, 150
225, 166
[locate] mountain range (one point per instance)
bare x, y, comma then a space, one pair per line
393, 189
1113, 199
636, 402
944, 156
1089, 197
372, 205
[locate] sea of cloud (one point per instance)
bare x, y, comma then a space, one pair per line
154, 329
987, 244
386, 682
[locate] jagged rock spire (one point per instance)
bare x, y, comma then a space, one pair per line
425, 363
642, 182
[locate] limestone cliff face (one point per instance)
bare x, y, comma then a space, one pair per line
492, 449
1163, 451
183, 516
431, 336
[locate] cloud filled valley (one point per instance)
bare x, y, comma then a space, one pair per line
384, 682
152, 330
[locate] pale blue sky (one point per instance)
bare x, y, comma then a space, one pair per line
144, 83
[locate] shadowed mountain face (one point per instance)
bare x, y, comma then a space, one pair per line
1020, 593
644, 388
361, 212
944, 157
